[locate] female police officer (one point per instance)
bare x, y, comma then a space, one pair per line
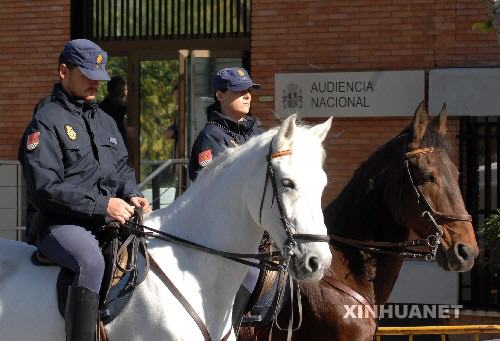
228, 125
228, 121
75, 164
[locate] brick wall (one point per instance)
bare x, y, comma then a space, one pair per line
33, 34
319, 35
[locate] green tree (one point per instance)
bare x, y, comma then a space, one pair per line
158, 108
490, 233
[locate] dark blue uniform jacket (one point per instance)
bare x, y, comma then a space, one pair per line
79, 163
219, 133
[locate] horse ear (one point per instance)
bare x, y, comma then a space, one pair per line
285, 133
420, 122
321, 130
443, 116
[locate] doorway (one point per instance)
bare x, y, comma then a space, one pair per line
167, 90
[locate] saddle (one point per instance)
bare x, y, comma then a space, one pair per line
126, 266
264, 299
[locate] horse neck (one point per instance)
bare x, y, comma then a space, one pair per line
365, 214
213, 212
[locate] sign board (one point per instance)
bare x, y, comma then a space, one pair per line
349, 94
466, 91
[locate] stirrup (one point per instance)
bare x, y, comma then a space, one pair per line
249, 320
40, 257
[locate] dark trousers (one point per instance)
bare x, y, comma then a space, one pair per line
76, 249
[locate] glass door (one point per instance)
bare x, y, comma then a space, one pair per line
158, 115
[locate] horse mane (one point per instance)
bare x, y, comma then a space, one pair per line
359, 211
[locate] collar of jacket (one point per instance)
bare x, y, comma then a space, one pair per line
72, 104
245, 126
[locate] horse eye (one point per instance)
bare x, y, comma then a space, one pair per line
287, 183
428, 177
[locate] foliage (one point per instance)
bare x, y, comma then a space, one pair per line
483, 26
490, 233
158, 108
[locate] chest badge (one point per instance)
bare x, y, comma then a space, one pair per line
70, 132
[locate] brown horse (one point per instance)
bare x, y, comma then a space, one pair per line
386, 198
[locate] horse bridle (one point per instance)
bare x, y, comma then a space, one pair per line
432, 216
292, 237
290, 243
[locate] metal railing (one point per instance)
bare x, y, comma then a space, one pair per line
160, 167
479, 175
107, 20
474, 330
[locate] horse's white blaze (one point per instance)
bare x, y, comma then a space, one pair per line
220, 210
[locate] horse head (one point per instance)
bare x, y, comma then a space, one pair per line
431, 204
291, 203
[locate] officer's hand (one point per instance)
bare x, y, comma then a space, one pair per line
141, 202
118, 209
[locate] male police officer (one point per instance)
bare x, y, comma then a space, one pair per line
228, 121
75, 165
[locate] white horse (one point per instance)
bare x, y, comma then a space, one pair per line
222, 210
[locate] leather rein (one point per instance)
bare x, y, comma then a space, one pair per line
267, 260
432, 216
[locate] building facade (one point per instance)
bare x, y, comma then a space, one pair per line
277, 38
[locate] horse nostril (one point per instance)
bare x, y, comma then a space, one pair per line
313, 263
463, 251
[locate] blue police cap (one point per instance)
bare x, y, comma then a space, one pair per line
88, 57
234, 79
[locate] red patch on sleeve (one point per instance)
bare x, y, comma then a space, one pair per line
32, 141
205, 157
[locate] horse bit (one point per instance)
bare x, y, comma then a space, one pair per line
432, 216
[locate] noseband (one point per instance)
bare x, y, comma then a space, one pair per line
289, 228
432, 216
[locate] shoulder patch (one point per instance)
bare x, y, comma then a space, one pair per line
32, 141
205, 157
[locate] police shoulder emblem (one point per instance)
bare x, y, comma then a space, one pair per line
70, 132
205, 157
32, 141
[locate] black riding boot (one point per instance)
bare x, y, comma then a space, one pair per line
81, 314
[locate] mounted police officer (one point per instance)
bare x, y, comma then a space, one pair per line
228, 125
228, 121
75, 165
